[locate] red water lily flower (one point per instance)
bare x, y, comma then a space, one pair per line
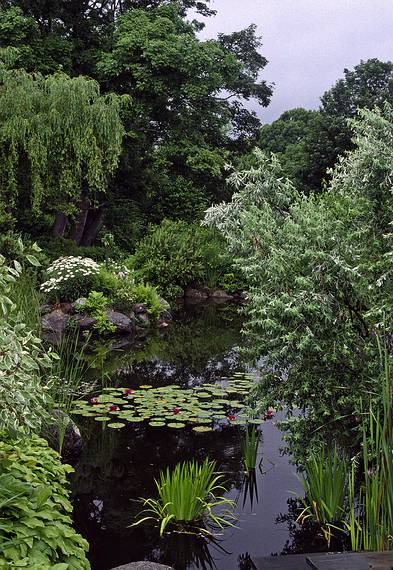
268, 415
176, 411
113, 408
93, 401
231, 417
128, 391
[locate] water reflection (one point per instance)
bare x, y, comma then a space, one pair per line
119, 467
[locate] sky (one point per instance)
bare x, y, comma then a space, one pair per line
308, 43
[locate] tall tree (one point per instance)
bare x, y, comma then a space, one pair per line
60, 140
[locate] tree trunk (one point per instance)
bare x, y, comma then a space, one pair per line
80, 221
93, 225
60, 224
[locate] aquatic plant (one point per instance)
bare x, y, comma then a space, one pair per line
250, 444
187, 497
325, 484
171, 406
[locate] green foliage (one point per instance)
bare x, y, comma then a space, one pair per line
326, 485
96, 306
187, 496
146, 294
68, 278
250, 445
175, 255
106, 281
319, 274
23, 361
35, 518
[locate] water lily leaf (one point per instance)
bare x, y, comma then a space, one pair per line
101, 419
202, 429
157, 424
117, 425
176, 425
256, 421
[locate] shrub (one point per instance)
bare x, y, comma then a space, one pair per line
69, 278
23, 397
35, 522
106, 281
175, 255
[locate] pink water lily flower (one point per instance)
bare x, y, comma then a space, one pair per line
113, 408
268, 415
176, 411
128, 391
93, 401
231, 417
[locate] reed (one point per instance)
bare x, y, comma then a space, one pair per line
249, 446
325, 484
187, 498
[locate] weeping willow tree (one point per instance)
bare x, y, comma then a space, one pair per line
60, 141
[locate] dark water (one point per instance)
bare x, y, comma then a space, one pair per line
118, 467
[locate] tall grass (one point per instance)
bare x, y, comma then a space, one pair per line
325, 484
187, 498
370, 520
249, 446
25, 295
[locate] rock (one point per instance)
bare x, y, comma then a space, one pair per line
78, 303
84, 322
66, 307
63, 426
142, 320
145, 565
122, 323
219, 294
45, 309
55, 322
165, 317
140, 308
200, 294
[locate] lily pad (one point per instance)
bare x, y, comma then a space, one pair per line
117, 425
201, 429
176, 425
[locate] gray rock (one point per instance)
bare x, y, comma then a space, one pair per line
84, 322
200, 294
140, 308
45, 309
142, 320
55, 322
219, 294
78, 303
62, 426
122, 323
165, 317
145, 565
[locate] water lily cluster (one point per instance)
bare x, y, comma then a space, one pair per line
200, 407
67, 271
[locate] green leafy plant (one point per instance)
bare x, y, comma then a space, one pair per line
35, 512
250, 445
325, 484
96, 305
187, 498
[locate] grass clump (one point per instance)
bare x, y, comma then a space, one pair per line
187, 498
250, 445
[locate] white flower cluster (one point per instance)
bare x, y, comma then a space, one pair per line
66, 269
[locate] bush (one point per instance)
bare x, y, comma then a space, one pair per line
69, 278
128, 294
106, 281
175, 255
36, 526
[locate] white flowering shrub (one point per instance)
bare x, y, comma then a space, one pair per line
69, 278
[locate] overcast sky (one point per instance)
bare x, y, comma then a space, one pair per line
308, 42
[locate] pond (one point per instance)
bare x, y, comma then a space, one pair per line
118, 466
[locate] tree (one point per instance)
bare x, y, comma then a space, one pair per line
369, 84
60, 141
319, 270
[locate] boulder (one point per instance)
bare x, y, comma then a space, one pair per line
76, 305
84, 322
165, 317
142, 320
122, 323
140, 308
45, 309
199, 294
145, 565
55, 322
219, 294
62, 426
